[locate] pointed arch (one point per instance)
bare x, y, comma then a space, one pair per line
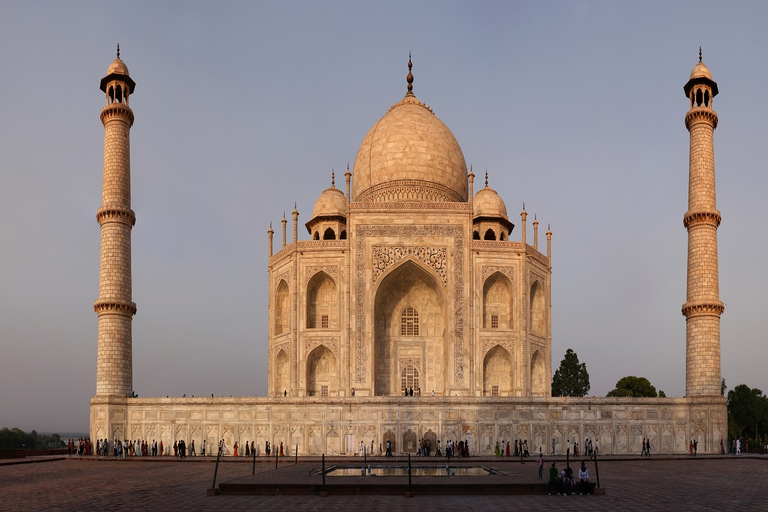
538, 375
497, 302
322, 373
282, 308
497, 372
343, 235
329, 234
489, 234
424, 338
475, 235
282, 373
538, 310
322, 302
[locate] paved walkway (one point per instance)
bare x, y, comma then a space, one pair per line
704, 483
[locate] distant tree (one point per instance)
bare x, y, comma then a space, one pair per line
632, 386
662, 394
572, 378
747, 411
17, 439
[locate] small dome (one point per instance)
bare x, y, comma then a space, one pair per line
488, 203
700, 71
331, 203
117, 67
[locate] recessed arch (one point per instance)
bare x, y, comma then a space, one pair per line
538, 375
322, 302
409, 284
343, 235
282, 375
322, 373
538, 310
329, 234
489, 234
475, 235
282, 308
497, 372
497, 302
316, 236
699, 98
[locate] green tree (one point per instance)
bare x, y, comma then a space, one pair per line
632, 386
747, 411
572, 378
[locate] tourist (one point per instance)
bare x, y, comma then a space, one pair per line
696, 446
175, 448
497, 451
389, 449
438, 452
554, 483
247, 449
508, 447
541, 465
235, 450
281, 449
253, 448
192, 452
584, 479
266, 448
553, 446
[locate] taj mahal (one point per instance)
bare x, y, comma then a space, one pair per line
412, 309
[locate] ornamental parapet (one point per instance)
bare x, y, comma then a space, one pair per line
117, 110
712, 218
698, 115
693, 309
122, 215
410, 190
114, 306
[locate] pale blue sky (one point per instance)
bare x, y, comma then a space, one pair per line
243, 108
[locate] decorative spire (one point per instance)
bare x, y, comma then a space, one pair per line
118, 50
333, 178
409, 79
523, 205
486, 177
470, 170
699, 53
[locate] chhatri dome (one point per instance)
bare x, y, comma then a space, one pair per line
410, 155
488, 203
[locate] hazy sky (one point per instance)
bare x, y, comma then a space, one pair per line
242, 108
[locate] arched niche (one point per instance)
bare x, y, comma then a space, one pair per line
539, 379
489, 234
282, 373
322, 373
538, 310
497, 302
497, 372
322, 302
424, 345
329, 234
282, 308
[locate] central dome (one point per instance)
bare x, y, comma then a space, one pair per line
410, 155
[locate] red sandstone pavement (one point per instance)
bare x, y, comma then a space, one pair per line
700, 484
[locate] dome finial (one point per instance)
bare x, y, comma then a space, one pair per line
699, 53
118, 50
486, 177
409, 78
333, 178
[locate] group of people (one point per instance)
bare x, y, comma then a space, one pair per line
563, 482
251, 450
520, 449
589, 449
130, 448
646, 451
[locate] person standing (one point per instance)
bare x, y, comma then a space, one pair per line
541, 465
235, 449
584, 480
202, 448
553, 446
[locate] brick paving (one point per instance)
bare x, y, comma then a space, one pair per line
701, 484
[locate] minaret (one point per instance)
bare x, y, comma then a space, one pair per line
702, 308
115, 307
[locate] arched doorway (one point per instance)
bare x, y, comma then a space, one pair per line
409, 330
